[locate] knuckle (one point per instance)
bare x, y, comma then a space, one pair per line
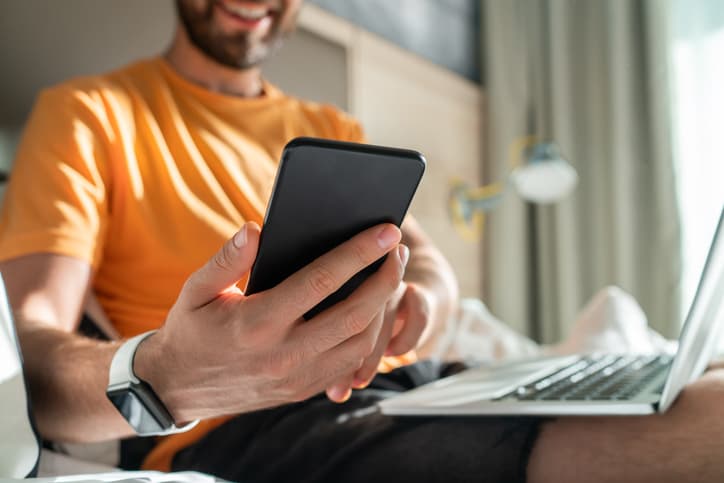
314, 344
360, 254
319, 343
335, 369
346, 367
320, 281
365, 346
354, 323
222, 259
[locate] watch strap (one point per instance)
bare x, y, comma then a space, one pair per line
121, 373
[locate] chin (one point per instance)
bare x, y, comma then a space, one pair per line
253, 56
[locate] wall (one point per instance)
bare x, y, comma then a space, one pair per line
446, 32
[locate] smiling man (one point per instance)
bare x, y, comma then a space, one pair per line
146, 174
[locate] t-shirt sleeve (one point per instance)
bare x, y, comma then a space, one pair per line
346, 127
57, 197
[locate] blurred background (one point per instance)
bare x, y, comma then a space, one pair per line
629, 90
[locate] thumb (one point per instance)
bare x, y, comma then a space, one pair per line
224, 270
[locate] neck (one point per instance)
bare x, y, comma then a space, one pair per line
194, 65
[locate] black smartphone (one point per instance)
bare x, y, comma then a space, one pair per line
325, 193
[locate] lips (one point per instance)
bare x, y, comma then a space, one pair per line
247, 15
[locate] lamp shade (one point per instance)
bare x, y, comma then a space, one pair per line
544, 177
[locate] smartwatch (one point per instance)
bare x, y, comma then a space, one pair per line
135, 399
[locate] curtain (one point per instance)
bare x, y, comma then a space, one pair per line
592, 76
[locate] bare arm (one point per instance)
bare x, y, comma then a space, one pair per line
67, 373
218, 352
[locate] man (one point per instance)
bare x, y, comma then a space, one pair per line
126, 183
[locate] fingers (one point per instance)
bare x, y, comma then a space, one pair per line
340, 392
368, 370
224, 270
353, 315
417, 315
303, 290
345, 359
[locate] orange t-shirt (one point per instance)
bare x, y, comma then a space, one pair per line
145, 175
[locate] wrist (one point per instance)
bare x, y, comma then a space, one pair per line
150, 365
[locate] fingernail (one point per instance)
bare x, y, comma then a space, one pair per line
239, 239
388, 236
404, 254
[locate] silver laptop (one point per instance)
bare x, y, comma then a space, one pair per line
591, 384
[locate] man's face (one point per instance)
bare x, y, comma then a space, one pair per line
238, 33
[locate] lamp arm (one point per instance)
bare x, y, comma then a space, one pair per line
487, 191
489, 195
517, 148
488, 203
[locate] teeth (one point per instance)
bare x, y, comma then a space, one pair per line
246, 12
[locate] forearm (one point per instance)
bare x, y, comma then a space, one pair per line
429, 269
67, 375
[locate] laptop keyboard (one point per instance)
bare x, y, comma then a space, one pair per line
601, 377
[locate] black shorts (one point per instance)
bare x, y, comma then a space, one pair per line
317, 440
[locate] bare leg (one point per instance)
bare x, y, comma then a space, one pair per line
685, 444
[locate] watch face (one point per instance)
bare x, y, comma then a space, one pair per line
141, 408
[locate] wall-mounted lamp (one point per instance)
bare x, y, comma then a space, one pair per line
538, 172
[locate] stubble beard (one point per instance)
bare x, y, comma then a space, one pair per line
240, 51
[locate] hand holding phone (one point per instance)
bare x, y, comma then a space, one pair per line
325, 193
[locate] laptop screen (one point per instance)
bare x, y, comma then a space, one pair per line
700, 332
